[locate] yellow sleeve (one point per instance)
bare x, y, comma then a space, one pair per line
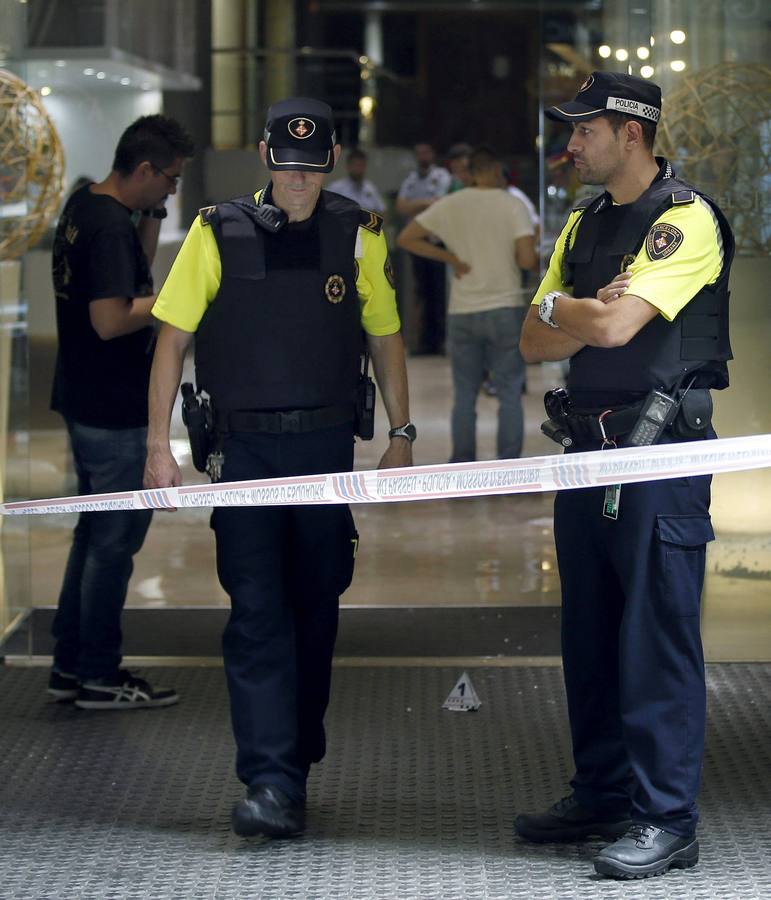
375, 284
669, 282
552, 280
193, 281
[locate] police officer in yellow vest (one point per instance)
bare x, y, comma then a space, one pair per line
636, 298
277, 286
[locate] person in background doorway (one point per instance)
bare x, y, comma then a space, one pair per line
488, 239
356, 186
422, 187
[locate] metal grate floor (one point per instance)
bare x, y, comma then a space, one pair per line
412, 801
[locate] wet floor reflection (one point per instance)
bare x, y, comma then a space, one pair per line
490, 551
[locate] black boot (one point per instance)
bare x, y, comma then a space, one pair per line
267, 810
567, 820
645, 851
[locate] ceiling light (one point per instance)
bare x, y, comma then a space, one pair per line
647, 71
604, 51
621, 54
45, 91
643, 52
677, 65
677, 36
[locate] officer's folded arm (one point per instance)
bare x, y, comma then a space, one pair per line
581, 322
161, 469
601, 324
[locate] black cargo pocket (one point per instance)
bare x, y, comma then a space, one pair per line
682, 544
351, 548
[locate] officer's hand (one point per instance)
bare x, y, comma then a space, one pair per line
615, 289
459, 268
161, 470
398, 454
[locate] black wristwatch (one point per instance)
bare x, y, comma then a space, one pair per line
408, 431
159, 213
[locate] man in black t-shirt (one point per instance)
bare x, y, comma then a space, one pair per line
104, 293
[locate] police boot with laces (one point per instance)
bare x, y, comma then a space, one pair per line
267, 810
567, 820
645, 851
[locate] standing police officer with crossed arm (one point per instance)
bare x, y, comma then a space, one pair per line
636, 297
277, 287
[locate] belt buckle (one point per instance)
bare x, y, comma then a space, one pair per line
289, 422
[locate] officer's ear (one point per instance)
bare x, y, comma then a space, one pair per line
263, 150
634, 133
337, 150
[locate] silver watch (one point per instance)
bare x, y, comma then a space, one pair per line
546, 308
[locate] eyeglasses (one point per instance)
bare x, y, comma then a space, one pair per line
174, 179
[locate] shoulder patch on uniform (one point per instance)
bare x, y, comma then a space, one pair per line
371, 221
683, 198
388, 270
663, 240
206, 214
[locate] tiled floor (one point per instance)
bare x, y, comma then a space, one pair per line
487, 551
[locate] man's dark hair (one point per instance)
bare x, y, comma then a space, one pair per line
458, 150
483, 158
617, 120
356, 153
157, 139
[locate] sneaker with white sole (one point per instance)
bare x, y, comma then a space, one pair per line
62, 686
123, 691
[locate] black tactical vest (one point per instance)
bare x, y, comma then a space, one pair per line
608, 238
284, 331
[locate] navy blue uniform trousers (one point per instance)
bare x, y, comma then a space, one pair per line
284, 569
631, 646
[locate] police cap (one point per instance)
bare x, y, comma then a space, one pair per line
300, 135
604, 92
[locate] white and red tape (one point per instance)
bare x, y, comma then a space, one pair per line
439, 482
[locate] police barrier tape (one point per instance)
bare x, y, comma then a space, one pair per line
438, 482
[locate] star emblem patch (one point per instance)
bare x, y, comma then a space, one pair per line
663, 240
301, 128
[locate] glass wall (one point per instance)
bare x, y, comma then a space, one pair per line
73, 75
711, 60
18, 225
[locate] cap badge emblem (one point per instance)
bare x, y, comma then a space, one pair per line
335, 288
662, 241
301, 128
587, 84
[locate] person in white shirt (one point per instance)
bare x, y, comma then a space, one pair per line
355, 186
418, 191
489, 238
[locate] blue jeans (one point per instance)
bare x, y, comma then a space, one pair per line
480, 342
87, 622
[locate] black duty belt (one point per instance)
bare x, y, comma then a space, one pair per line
584, 425
293, 421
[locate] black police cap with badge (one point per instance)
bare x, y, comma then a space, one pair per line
300, 136
605, 92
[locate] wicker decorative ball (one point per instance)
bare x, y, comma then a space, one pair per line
31, 167
716, 129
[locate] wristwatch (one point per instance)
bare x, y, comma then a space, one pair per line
408, 431
159, 212
546, 308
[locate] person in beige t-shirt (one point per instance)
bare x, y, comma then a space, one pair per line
489, 237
